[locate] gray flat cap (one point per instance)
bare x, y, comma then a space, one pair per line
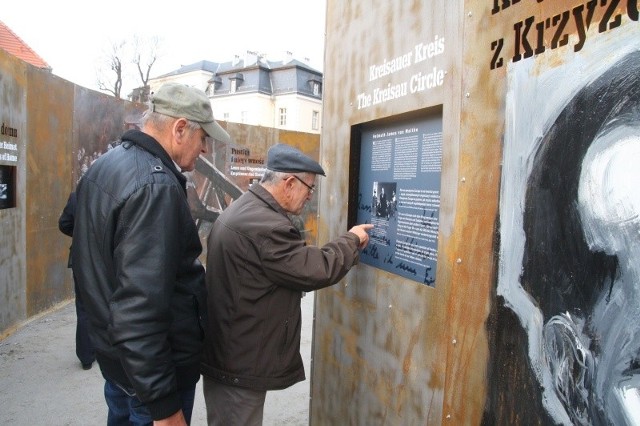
285, 158
181, 101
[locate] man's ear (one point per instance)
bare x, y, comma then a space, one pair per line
571, 365
179, 129
288, 183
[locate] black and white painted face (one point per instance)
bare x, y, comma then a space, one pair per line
609, 207
570, 230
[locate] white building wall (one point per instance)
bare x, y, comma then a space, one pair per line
299, 113
258, 109
306, 107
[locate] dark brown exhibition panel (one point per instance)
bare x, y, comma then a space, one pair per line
524, 308
49, 124
49, 134
12, 159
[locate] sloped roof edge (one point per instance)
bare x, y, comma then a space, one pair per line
208, 66
231, 66
14, 45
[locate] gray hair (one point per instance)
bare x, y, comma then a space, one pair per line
157, 120
270, 177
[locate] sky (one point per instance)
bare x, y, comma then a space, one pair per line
72, 36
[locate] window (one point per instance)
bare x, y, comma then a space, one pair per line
225, 116
315, 118
316, 89
234, 82
283, 116
243, 117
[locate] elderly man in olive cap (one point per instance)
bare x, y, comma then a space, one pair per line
135, 254
258, 267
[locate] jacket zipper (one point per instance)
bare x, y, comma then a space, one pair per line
286, 334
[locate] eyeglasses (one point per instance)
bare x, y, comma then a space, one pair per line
310, 188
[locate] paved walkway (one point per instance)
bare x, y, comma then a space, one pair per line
42, 383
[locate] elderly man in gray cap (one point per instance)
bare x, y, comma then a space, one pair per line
258, 267
135, 254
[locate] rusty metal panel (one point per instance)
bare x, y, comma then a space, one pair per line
13, 115
533, 273
380, 341
67, 126
563, 81
49, 133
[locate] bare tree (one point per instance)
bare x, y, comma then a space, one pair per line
111, 81
112, 76
145, 54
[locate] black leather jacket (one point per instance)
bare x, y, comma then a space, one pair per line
135, 256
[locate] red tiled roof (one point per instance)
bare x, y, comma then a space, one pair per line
13, 44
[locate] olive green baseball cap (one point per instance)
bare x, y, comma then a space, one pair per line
182, 101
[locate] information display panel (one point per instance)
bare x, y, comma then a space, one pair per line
399, 193
7, 187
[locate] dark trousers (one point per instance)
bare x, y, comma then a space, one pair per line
127, 410
84, 348
232, 406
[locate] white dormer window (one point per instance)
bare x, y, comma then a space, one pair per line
314, 83
235, 82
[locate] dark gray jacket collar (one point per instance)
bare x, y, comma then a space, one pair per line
260, 192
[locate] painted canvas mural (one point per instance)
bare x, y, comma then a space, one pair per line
566, 344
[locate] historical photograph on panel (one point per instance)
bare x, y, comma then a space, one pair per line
7, 186
567, 344
399, 193
100, 121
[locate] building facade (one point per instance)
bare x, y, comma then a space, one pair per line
284, 94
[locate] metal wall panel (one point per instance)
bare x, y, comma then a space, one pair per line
49, 136
13, 114
562, 83
533, 276
380, 341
